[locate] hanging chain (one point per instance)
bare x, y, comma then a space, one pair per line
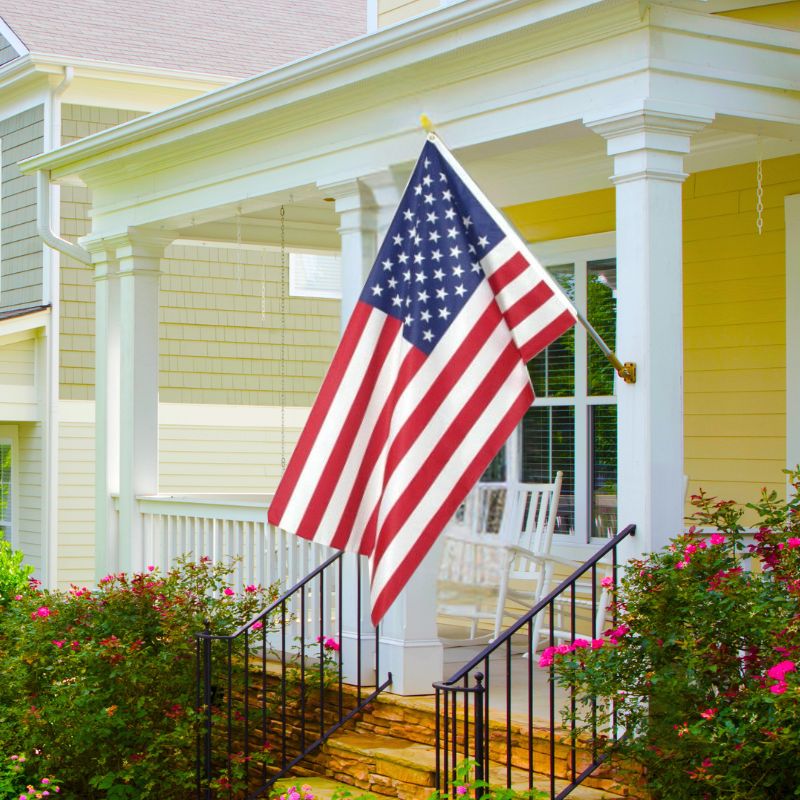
759, 196
284, 270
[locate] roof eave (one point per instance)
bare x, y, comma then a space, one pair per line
416, 30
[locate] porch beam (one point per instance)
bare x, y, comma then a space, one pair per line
648, 146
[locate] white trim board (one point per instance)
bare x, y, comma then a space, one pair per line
199, 415
792, 224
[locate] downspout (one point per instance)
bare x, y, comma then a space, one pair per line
48, 214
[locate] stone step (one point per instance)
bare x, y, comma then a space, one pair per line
400, 768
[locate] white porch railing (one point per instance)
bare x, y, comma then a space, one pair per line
222, 527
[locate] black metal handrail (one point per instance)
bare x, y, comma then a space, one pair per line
464, 701
245, 697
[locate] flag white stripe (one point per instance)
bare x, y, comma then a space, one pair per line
500, 254
452, 405
377, 401
331, 425
443, 484
534, 323
517, 289
409, 400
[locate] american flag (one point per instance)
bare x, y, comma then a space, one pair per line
428, 381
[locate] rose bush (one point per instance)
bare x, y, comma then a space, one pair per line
701, 664
100, 685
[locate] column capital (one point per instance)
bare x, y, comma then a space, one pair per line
649, 141
349, 194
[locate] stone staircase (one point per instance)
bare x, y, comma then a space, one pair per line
388, 751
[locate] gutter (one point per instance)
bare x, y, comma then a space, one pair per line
43, 222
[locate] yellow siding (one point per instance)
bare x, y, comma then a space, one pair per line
76, 504
224, 458
734, 326
30, 493
777, 15
216, 344
391, 11
18, 396
17, 362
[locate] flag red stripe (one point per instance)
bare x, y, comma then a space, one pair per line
469, 414
546, 335
441, 387
528, 303
409, 368
508, 272
319, 411
428, 405
468, 479
318, 502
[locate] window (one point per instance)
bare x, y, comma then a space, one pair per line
313, 275
572, 425
6, 494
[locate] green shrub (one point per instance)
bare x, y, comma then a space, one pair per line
14, 575
701, 664
101, 684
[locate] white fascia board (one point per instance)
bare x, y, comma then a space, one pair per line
11, 37
448, 28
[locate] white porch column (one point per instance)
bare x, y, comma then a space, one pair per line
354, 204
139, 255
648, 147
106, 402
357, 225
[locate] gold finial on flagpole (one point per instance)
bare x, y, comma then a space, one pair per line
426, 123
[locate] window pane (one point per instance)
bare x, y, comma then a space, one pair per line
5, 484
601, 311
553, 370
548, 445
496, 471
603, 460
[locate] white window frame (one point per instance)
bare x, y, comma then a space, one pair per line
579, 251
297, 290
9, 435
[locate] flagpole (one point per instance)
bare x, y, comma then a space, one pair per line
626, 371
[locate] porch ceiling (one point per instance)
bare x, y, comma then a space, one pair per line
508, 83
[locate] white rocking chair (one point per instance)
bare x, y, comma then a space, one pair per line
497, 550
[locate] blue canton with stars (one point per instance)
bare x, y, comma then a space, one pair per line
429, 263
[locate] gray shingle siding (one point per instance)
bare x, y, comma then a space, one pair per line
7, 52
21, 136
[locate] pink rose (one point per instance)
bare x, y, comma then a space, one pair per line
779, 671
257, 626
607, 581
228, 592
793, 542
251, 588
717, 538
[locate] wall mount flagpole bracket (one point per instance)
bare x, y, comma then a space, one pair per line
627, 372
